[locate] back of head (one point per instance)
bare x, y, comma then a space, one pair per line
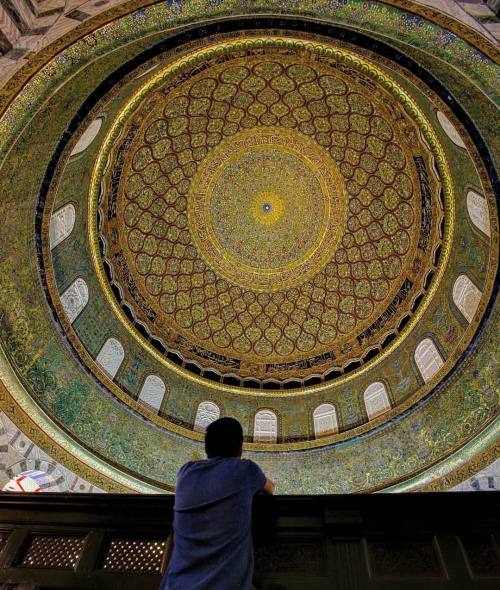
224, 438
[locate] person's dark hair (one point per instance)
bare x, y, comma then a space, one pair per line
224, 438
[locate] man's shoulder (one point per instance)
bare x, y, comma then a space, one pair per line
207, 465
249, 464
240, 465
254, 471
187, 467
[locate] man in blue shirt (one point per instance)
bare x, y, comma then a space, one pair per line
213, 515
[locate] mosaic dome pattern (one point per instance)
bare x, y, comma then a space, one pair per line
269, 211
287, 220
272, 229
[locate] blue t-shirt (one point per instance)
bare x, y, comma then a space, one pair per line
212, 525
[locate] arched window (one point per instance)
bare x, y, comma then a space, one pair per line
428, 359
111, 356
62, 223
74, 299
466, 296
265, 427
207, 413
450, 129
477, 206
325, 420
87, 137
152, 392
376, 400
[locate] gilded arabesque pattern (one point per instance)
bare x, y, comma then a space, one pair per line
474, 393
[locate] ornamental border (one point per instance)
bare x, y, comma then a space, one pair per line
38, 61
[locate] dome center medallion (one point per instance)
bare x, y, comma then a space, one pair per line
267, 207
261, 208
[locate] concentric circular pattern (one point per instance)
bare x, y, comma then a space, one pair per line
276, 257
262, 230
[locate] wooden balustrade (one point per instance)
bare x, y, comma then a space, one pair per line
406, 541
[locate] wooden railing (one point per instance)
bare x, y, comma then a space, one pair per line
117, 542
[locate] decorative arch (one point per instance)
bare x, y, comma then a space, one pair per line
265, 427
428, 359
152, 392
111, 356
74, 299
206, 413
62, 223
466, 296
325, 420
376, 399
477, 207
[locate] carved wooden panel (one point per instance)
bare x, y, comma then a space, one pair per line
290, 558
4, 535
126, 555
404, 559
53, 551
482, 554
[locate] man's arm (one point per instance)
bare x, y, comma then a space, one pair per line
256, 478
269, 487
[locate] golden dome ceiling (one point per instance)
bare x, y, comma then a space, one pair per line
280, 222
267, 210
